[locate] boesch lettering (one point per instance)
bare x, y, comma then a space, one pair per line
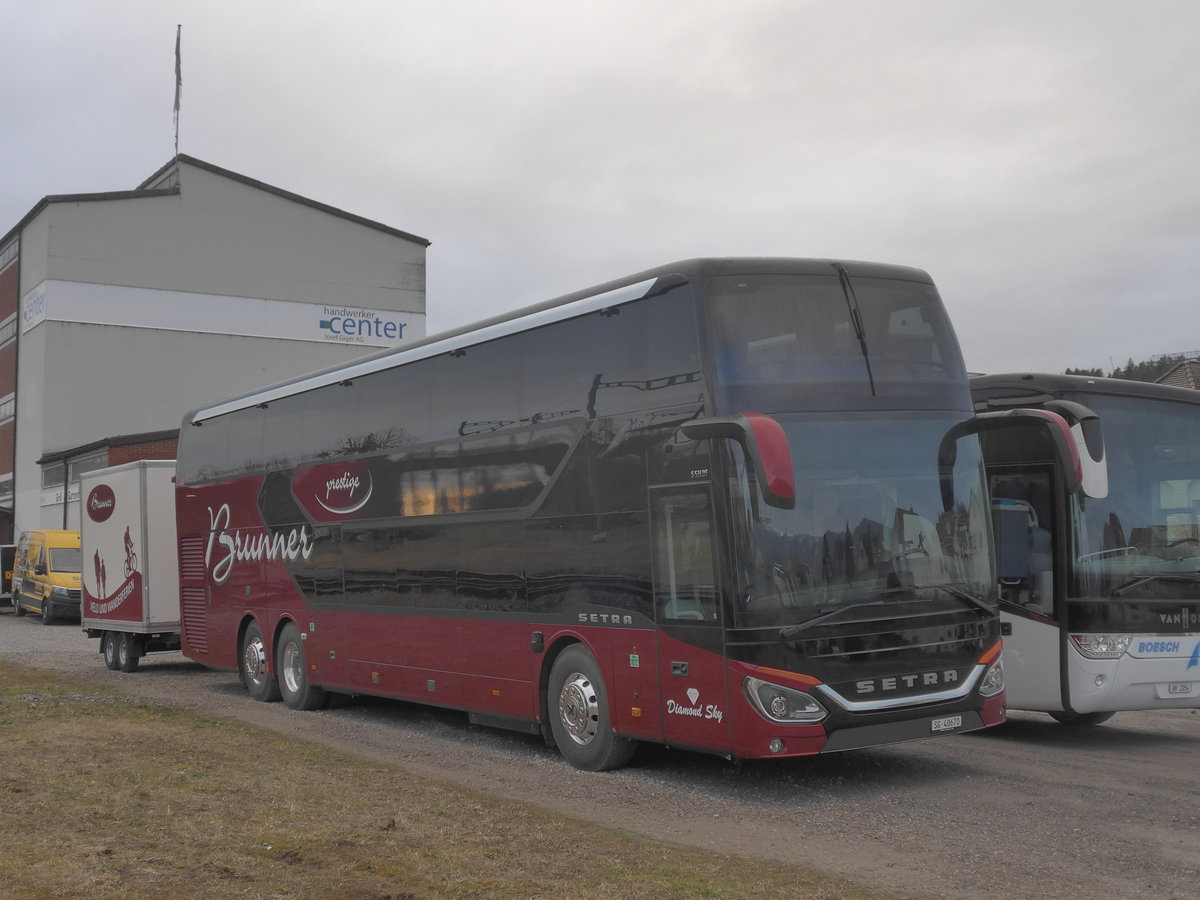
906, 682
235, 546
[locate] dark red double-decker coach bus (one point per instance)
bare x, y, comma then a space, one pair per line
733, 505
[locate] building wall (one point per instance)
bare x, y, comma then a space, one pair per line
115, 299
219, 236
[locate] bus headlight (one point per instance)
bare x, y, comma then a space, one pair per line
783, 705
1102, 646
993, 679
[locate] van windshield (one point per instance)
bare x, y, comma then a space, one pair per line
65, 559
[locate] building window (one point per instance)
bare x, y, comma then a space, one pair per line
8, 407
53, 475
85, 464
8, 331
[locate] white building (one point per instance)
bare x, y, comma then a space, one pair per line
120, 311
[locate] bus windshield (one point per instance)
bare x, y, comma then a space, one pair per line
1143, 539
787, 342
869, 524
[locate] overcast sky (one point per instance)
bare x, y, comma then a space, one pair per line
1038, 159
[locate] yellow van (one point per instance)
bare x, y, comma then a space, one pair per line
46, 575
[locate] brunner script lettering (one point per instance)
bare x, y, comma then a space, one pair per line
238, 547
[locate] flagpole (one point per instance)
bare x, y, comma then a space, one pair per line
178, 83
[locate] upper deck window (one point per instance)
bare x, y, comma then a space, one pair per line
794, 342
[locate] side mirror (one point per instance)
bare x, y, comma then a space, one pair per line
1089, 444
1066, 450
39, 569
765, 444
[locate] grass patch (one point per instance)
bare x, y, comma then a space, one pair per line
106, 796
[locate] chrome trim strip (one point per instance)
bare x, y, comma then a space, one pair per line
461, 341
911, 700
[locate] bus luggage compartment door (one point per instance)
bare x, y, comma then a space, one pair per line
691, 658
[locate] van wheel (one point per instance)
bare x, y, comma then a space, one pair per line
579, 714
252, 666
108, 646
291, 667
47, 613
18, 609
129, 653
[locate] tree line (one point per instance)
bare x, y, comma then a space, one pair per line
1148, 370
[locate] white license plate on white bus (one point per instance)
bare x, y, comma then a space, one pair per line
946, 723
1179, 687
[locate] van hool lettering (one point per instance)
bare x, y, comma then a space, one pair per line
239, 546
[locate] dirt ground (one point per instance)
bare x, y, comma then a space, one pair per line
1032, 809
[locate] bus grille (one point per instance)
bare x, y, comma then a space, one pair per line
193, 593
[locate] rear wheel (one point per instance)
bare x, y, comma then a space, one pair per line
108, 646
579, 712
252, 666
129, 652
1081, 719
291, 666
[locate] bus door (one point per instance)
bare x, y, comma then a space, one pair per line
1023, 525
691, 652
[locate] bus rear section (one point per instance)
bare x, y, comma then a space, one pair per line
617, 517
1100, 579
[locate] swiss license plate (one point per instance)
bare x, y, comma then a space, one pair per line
946, 723
1179, 687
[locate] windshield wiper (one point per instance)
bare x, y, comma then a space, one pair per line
1171, 577
856, 319
790, 631
965, 596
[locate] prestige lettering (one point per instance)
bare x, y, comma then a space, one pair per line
239, 547
347, 482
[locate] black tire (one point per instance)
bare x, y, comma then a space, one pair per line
47, 612
252, 666
129, 652
1079, 720
578, 709
18, 609
291, 670
108, 647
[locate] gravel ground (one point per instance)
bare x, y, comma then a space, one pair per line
1032, 809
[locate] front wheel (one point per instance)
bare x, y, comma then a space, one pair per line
18, 609
108, 646
252, 666
47, 612
291, 664
1081, 719
580, 718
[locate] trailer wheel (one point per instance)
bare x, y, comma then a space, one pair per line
252, 666
129, 654
1081, 719
108, 646
579, 714
291, 667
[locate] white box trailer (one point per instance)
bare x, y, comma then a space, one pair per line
130, 569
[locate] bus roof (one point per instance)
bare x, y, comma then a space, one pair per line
1032, 386
612, 293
